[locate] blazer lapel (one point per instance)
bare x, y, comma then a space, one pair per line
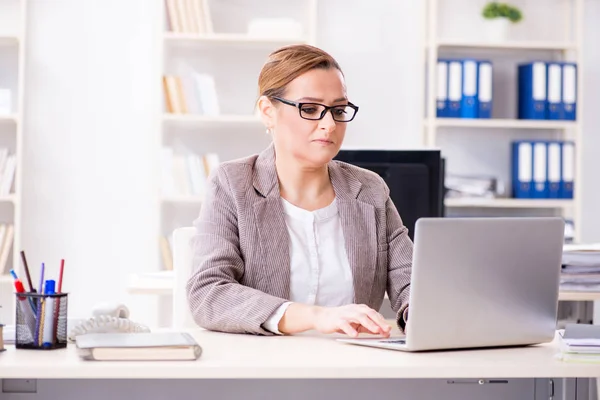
359, 227
272, 230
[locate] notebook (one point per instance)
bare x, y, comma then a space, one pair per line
147, 346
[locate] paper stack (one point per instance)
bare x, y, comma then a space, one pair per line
580, 268
580, 343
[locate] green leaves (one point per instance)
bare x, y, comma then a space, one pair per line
502, 10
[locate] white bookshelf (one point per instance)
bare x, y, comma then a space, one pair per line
509, 203
475, 144
13, 28
234, 58
501, 123
209, 119
523, 45
231, 38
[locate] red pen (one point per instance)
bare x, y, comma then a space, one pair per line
18, 284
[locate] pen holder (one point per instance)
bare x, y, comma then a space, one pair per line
41, 321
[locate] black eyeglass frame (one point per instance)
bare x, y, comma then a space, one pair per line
327, 108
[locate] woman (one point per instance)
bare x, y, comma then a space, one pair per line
289, 240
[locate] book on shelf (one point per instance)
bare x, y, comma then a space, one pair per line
166, 253
186, 174
192, 93
6, 244
8, 166
188, 16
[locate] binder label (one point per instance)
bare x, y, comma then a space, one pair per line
455, 86
554, 83
539, 170
569, 84
539, 81
485, 82
554, 163
442, 81
525, 162
470, 84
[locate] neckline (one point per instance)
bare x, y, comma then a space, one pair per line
320, 214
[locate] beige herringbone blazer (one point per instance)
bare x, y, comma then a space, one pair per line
241, 250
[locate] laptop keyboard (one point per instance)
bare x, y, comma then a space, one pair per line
394, 341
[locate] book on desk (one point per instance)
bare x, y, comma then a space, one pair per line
150, 346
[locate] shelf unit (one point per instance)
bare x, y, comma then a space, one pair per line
234, 58
13, 28
439, 43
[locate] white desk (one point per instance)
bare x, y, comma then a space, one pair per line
305, 357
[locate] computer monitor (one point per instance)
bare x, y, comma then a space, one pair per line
415, 179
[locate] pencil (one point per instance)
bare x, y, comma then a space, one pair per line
60, 276
58, 300
31, 288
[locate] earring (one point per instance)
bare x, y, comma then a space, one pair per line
268, 131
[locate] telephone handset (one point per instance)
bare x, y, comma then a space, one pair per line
107, 318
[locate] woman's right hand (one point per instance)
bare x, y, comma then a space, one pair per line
350, 319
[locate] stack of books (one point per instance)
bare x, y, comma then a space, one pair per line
580, 343
580, 268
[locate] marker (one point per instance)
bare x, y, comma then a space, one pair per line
48, 327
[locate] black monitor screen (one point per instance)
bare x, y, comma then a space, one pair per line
415, 179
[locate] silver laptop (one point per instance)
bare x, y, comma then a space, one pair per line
481, 282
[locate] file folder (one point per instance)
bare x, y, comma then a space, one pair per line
554, 90
554, 169
522, 169
532, 90
484, 89
454, 88
569, 91
469, 102
568, 170
540, 171
441, 98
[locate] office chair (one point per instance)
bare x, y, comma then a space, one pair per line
182, 269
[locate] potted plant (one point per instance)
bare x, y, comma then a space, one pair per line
499, 16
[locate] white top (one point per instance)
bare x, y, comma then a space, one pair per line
320, 273
307, 356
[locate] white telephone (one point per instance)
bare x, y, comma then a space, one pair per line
107, 317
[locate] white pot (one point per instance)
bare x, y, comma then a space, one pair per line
496, 30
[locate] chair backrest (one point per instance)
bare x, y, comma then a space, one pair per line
182, 268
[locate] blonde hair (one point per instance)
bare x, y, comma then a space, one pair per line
287, 63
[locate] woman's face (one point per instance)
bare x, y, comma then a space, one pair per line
311, 142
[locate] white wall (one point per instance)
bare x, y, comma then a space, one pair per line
90, 134
91, 127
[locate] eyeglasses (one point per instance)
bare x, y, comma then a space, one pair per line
316, 111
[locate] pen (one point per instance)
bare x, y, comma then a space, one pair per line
60, 276
58, 301
48, 315
26, 311
26, 267
19, 288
